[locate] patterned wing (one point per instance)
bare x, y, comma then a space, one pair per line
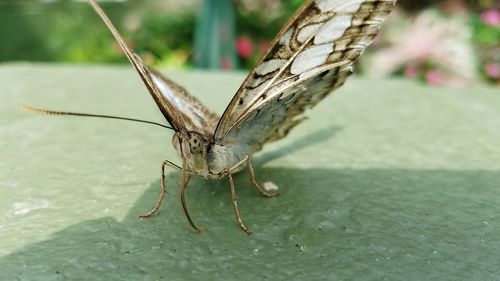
182, 111
312, 55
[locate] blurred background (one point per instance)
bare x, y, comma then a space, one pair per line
446, 42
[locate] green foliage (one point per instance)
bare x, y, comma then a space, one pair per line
161, 34
70, 31
58, 31
77, 44
24, 41
484, 34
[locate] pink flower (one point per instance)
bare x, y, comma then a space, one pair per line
431, 40
492, 70
491, 17
244, 47
435, 78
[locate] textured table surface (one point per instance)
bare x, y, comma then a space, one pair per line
387, 180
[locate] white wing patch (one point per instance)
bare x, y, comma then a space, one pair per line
270, 66
308, 31
285, 40
333, 29
311, 58
339, 5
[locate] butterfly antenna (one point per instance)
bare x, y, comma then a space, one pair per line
52, 112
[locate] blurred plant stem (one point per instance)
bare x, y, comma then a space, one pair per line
214, 36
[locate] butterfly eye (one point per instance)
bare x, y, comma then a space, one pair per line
195, 142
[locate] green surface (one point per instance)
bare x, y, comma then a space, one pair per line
387, 180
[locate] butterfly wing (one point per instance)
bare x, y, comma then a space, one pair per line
311, 56
194, 115
182, 111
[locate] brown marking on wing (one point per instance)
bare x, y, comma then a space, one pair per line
267, 106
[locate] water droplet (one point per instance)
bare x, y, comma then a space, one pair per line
270, 186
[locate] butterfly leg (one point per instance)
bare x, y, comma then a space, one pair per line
163, 190
235, 204
254, 182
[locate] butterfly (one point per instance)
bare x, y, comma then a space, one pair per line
312, 55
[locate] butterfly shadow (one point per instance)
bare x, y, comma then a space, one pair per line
309, 140
367, 224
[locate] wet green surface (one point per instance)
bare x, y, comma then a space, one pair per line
387, 180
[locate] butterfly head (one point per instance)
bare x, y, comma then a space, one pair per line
192, 148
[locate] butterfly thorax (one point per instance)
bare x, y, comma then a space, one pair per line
204, 157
